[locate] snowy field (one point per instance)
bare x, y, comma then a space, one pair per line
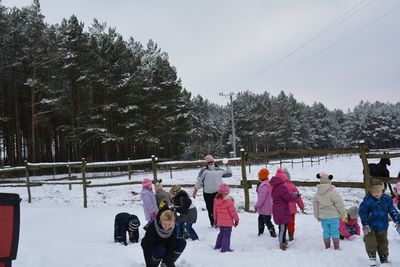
56, 231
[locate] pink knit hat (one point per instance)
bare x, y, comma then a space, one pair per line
223, 189
209, 158
146, 182
281, 174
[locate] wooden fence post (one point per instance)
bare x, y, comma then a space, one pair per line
292, 163
28, 183
129, 171
69, 176
154, 168
244, 179
84, 182
311, 161
363, 155
318, 160
302, 161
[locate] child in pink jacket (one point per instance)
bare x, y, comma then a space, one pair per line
292, 205
225, 216
349, 226
263, 205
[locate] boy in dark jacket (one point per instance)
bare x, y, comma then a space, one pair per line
125, 222
374, 210
183, 206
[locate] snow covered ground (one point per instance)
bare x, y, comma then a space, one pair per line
57, 231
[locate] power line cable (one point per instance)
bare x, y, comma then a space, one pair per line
342, 18
332, 45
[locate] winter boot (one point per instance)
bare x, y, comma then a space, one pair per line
260, 231
156, 262
291, 236
327, 242
336, 243
283, 246
372, 259
383, 258
272, 232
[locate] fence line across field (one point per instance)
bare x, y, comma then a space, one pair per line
153, 164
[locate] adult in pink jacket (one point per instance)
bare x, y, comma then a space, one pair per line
280, 207
292, 205
225, 216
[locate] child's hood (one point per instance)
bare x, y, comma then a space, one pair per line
221, 200
325, 188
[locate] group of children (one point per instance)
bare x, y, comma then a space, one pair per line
278, 199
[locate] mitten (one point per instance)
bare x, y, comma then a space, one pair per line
236, 223
397, 227
296, 194
194, 193
366, 229
153, 215
352, 237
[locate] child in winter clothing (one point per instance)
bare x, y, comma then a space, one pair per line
161, 194
293, 205
264, 203
349, 226
374, 210
396, 196
184, 206
149, 201
328, 209
280, 207
125, 222
225, 216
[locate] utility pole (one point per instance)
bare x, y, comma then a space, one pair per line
233, 139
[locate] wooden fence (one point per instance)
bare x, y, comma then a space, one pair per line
245, 159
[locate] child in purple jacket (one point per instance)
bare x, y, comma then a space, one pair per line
264, 203
280, 207
149, 201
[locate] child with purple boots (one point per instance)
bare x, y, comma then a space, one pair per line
225, 216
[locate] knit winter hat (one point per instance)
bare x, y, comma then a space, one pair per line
397, 187
285, 170
134, 223
223, 189
146, 182
280, 174
209, 158
376, 185
353, 212
324, 178
263, 174
175, 189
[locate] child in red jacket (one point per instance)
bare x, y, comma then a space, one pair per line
349, 226
225, 216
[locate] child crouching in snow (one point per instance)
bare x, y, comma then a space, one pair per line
280, 207
264, 203
328, 209
349, 226
225, 216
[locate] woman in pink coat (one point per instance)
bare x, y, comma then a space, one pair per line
225, 216
280, 207
263, 205
292, 205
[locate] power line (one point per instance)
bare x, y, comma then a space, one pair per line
332, 45
342, 18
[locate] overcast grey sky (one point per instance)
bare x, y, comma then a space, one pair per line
337, 52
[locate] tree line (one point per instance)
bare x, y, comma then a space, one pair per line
68, 93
